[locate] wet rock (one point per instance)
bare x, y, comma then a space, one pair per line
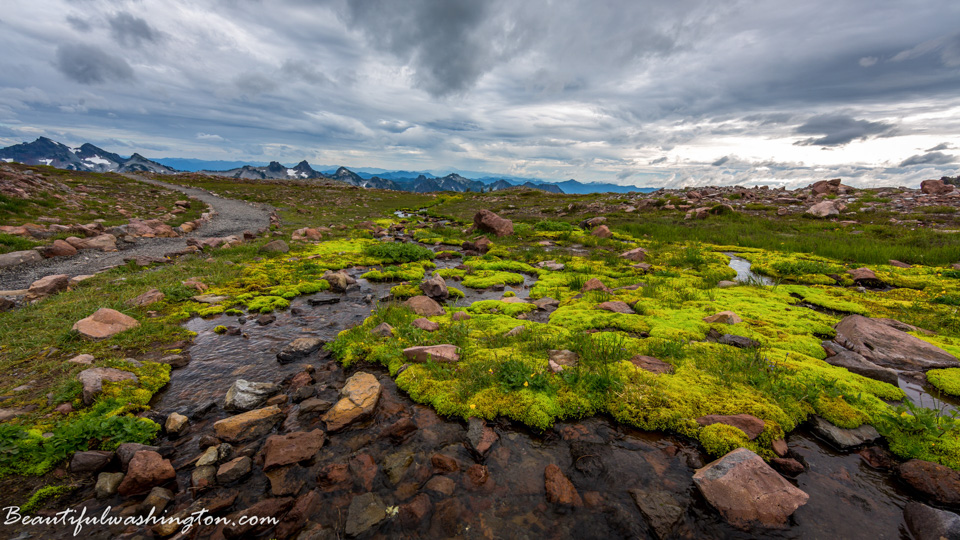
315, 406
299, 348
234, 470
787, 466
442, 485
305, 506
780, 447
274, 507
480, 436
487, 221
126, 451
878, 458
104, 323
92, 380
175, 423
383, 330
477, 475
425, 306
928, 523
291, 448
637, 255
395, 465
426, 325
747, 491
275, 246
443, 463
887, 346
157, 500
245, 395
546, 303
447, 519
249, 425
365, 512
150, 297
287, 480
856, 363
145, 471
358, 398
208, 457
660, 508
175, 360
602, 232
750, 425
940, 483
399, 430
651, 364
724, 317
559, 488
413, 512
437, 353
435, 287
738, 341
107, 484
844, 438
47, 286
90, 461
617, 306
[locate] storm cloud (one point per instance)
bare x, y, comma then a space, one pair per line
628, 91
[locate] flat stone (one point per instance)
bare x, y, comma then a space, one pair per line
928, 523
887, 346
104, 323
210, 298
747, 491
365, 512
637, 254
617, 306
660, 508
844, 438
299, 348
249, 425
234, 470
150, 297
559, 488
47, 286
426, 325
107, 484
245, 395
291, 448
856, 363
90, 461
738, 341
425, 306
358, 398
724, 317
651, 364
19, 257
437, 353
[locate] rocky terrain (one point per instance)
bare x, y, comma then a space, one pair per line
713, 362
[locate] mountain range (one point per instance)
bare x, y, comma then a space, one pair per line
88, 157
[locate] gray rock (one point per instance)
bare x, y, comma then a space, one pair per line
881, 342
660, 508
107, 484
157, 500
738, 341
245, 395
90, 461
19, 257
844, 438
927, 523
299, 348
365, 512
435, 287
855, 363
275, 246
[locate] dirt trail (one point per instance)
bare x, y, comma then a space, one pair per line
232, 217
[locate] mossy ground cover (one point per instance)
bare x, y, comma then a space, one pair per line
85, 197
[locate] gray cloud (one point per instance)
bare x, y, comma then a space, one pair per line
87, 64
941, 146
79, 24
839, 129
720, 161
930, 158
132, 31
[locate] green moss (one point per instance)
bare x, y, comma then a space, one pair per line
481, 279
509, 309
403, 272
220, 329
266, 304
42, 495
947, 380
404, 291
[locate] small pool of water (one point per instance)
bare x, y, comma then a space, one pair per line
744, 274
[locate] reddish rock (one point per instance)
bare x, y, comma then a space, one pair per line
940, 483
441, 484
637, 255
58, 248
865, 276
887, 346
651, 364
747, 491
363, 470
104, 323
399, 430
249, 425
413, 512
780, 447
477, 474
878, 458
487, 221
751, 425
935, 187
358, 398
617, 306
196, 284
46, 286
480, 436
146, 470
602, 232
290, 448
234, 470
787, 466
150, 297
426, 325
437, 353
89, 461
306, 506
425, 306
287, 480
559, 488
444, 464
594, 284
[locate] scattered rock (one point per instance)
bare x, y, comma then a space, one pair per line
234, 470
747, 491
365, 512
724, 317
637, 254
150, 297
939, 482
617, 306
559, 488
249, 425
92, 380
435, 287
594, 284
126, 451
175, 423
825, 209
887, 346
738, 341
157, 500
480, 436
358, 398
437, 353
299, 348
146, 470
245, 395
602, 232
291, 448
47, 286
58, 248
426, 325
107, 484
487, 221
844, 438
660, 508
787, 466
935, 187
424, 305
460, 316
275, 246
104, 323
651, 364
383, 330
90, 461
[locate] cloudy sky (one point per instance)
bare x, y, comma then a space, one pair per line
643, 92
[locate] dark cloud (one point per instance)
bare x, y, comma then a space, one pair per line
720, 161
79, 24
132, 31
659, 160
87, 64
305, 72
930, 158
839, 129
941, 146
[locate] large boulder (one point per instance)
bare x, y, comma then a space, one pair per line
928, 523
825, 209
935, 187
424, 305
19, 257
884, 345
940, 483
276, 246
487, 221
435, 287
747, 491
856, 363
104, 323
245, 395
358, 398
92, 380
249, 425
146, 470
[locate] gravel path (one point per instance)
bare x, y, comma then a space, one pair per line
233, 217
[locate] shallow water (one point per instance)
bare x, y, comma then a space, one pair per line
744, 274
